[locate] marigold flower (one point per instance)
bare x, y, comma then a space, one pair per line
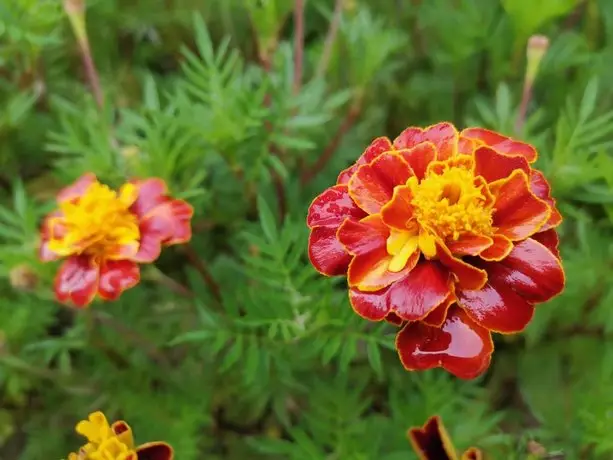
104, 235
115, 442
450, 235
432, 442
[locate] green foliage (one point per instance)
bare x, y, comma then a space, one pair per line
275, 365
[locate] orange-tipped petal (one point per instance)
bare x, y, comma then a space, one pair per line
501, 143
370, 305
493, 165
372, 186
500, 248
540, 187
332, 207
76, 281
518, 213
444, 136
116, 276
438, 316
467, 276
419, 157
549, 239
432, 442
469, 244
369, 272
326, 253
460, 346
77, 189
399, 211
155, 451
377, 147
420, 292
366, 235
151, 193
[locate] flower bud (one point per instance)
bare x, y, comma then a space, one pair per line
537, 47
23, 278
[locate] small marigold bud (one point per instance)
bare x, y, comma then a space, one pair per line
536, 449
74, 6
23, 278
537, 47
129, 152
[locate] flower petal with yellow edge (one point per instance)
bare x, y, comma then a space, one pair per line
444, 136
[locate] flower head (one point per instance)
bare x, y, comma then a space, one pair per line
450, 235
432, 442
115, 442
104, 234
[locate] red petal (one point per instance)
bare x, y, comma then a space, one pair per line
76, 281
497, 307
518, 213
467, 276
369, 271
444, 136
151, 193
373, 184
50, 229
550, 240
432, 442
369, 305
332, 207
116, 276
540, 187
394, 319
420, 292
460, 346
155, 451
472, 454
499, 250
363, 236
501, 143
77, 189
467, 146
419, 157
437, 316
469, 244
399, 210
531, 270
326, 253
180, 214
376, 148
493, 165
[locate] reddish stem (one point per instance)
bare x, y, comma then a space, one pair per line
201, 267
91, 74
523, 107
324, 60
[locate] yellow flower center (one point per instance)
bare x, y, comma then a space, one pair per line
103, 442
99, 223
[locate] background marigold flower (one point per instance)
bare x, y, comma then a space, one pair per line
104, 235
432, 442
450, 234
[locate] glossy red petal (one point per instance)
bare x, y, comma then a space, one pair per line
399, 210
500, 248
360, 237
151, 193
432, 442
497, 307
444, 136
370, 305
518, 213
493, 165
116, 276
421, 291
155, 451
372, 186
326, 253
540, 187
76, 281
77, 189
438, 316
369, 272
501, 143
460, 346
531, 270
419, 157
332, 207
549, 239
469, 244
376, 148
467, 276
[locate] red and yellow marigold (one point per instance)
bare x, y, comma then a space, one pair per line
432, 442
115, 442
105, 234
449, 234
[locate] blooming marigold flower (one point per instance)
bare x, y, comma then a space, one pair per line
104, 235
115, 442
449, 234
431, 442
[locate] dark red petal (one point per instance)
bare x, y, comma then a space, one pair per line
540, 187
472, 454
501, 248
376, 148
419, 157
531, 270
116, 276
550, 240
460, 346
77, 189
394, 319
326, 253
332, 207
120, 427
369, 305
444, 136
420, 292
373, 184
151, 193
369, 272
497, 307
432, 442
360, 237
399, 210
155, 451
518, 213
501, 143
438, 316
493, 165
469, 244
76, 281
467, 276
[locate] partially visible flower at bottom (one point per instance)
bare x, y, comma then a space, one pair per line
432, 442
115, 442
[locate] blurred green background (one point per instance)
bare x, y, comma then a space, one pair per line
206, 95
